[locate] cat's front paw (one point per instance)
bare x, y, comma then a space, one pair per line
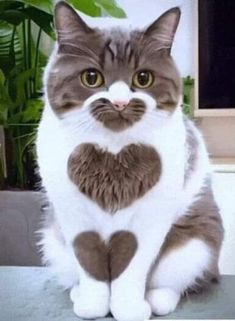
129, 309
90, 304
163, 300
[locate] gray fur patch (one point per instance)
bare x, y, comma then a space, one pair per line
114, 181
116, 54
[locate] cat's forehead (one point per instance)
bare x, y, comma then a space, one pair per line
120, 48
117, 41
117, 35
117, 46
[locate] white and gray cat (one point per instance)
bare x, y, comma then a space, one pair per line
135, 224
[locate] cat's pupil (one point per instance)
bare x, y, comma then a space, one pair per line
143, 78
91, 77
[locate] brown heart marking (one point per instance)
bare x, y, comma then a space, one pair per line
114, 181
105, 262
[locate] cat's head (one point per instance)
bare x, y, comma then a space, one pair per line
115, 77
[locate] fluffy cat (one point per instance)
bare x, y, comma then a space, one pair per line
135, 224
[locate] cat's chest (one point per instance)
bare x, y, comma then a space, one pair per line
114, 181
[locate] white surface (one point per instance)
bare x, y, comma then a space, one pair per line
142, 13
224, 187
180, 268
29, 294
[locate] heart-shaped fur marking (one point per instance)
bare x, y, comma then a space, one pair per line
105, 261
114, 181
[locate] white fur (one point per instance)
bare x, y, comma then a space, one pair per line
163, 300
59, 257
149, 218
179, 269
175, 273
90, 300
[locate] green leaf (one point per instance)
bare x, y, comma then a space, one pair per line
3, 109
26, 141
10, 4
2, 78
110, 7
18, 85
8, 56
15, 17
188, 84
94, 8
5, 101
33, 110
42, 19
19, 114
5, 29
3, 118
88, 7
43, 5
15, 119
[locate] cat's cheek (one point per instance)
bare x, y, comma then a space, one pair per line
148, 99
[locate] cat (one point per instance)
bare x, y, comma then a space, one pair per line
135, 224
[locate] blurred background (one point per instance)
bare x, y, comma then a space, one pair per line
204, 51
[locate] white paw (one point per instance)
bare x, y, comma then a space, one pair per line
90, 304
163, 300
127, 309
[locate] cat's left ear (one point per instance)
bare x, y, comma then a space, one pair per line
68, 23
164, 28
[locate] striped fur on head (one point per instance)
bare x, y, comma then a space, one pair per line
118, 55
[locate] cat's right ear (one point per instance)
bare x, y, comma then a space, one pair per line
164, 28
68, 23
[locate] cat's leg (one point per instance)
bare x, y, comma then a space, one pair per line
128, 301
189, 253
57, 256
91, 297
177, 271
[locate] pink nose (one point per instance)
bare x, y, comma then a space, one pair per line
120, 105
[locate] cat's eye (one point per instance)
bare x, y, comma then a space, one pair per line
92, 78
143, 79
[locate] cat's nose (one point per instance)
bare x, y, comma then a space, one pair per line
120, 105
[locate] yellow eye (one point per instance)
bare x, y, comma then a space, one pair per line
143, 79
92, 78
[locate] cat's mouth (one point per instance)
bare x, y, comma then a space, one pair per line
117, 120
